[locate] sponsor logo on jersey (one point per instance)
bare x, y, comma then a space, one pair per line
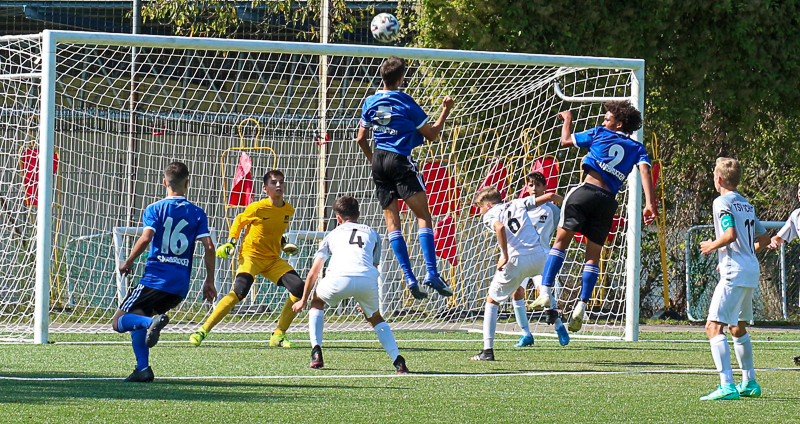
743, 207
611, 170
173, 260
384, 129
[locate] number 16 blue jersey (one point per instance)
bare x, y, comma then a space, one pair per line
178, 224
611, 154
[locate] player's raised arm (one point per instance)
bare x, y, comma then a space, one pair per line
431, 132
242, 220
138, 248
566, 130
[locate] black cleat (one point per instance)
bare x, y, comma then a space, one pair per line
316, 357
551, 315
154, 331
485, 355
400, 364
416, 292
796, 360
144, 376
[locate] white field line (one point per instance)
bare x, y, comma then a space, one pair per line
395, 375
546, 338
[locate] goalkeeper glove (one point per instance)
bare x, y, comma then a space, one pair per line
289, 248
226, 249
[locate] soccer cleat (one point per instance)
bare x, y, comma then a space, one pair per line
796, 360
544, 301
198, 336
279, 340
485, 355
154, 331
749, 389
726, 392
524, 341
563, 336
416, 292
551, 315
144, 376
577, 317
400, 364
437, 283
316, 357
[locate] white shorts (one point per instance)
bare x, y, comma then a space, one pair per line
731, 304
518, 268
364, 290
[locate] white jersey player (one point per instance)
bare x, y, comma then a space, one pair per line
790, 230
521, 255
739, 235
354, 251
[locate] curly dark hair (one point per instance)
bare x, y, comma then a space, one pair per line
626, 113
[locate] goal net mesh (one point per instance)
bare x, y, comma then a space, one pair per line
229, 113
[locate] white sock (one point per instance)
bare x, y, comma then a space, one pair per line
722, 358
558, 324
489, 324
522, 316
546, 289
744, 354
386, 337
315, 317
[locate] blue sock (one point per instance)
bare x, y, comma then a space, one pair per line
428, 250
401, 252
140, 349
590, 273
552, 266
133, 322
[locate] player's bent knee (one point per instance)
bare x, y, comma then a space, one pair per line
375, 319
242, 285
293, 283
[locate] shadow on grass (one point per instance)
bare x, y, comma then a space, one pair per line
50, 391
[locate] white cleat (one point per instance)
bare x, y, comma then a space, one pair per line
544, 301
578, 315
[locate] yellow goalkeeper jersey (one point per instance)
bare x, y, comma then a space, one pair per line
264, 225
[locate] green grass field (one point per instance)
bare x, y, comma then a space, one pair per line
237, 378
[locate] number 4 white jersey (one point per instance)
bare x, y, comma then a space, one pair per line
737, 261
353, 248
520, 231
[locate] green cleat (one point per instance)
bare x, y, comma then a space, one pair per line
726, 392
279, 340
578, 316
749, 389
198, 336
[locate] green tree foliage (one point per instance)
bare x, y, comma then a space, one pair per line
721, 76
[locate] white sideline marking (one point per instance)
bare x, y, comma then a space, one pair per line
394, 375
546, 338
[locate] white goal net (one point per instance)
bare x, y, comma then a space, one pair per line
232, 110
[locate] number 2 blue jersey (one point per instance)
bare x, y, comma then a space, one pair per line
611, 154
178, 224
394, 118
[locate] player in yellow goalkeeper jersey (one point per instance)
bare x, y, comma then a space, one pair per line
264, 223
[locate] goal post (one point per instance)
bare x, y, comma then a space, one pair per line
192, 95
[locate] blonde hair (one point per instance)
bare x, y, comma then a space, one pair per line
487, 195
729, 170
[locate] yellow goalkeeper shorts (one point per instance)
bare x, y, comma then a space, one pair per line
271, 269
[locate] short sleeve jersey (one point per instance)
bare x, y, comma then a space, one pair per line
790, 231
737, 261
545, 218
265, 224
612, 154
394, 118
521, 234
353, 248
177, 224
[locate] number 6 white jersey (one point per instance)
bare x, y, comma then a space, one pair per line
737, 261
353, 248
520, 231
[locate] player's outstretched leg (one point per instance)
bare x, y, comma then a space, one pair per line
137, 325
432, 280
590, 274
521, 313
316, 317
154, 330
552, 265
722, 360
278, 338
386, 337
400, 249
241, 287
743, 348
489, 328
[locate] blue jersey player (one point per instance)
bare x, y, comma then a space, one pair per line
173, 225
399, 125
590, 207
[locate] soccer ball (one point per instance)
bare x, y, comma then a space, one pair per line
385, 27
